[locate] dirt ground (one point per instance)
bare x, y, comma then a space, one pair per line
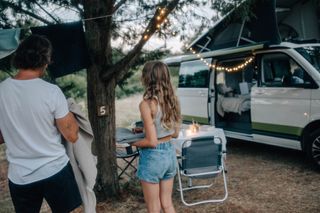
261, 178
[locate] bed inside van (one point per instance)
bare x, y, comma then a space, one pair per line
233, 100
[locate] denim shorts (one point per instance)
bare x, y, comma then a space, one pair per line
156, 164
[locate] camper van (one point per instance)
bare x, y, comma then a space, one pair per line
261, 93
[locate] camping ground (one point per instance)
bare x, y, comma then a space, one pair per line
261, 178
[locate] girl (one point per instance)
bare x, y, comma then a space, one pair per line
160, 113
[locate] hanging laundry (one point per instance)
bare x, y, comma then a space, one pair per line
69, 48
9, 41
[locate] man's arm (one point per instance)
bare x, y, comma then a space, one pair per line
68, 127
1, 138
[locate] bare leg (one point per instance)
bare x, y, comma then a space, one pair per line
151, 196
166, 196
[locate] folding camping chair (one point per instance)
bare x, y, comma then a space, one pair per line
128, 155
201, 157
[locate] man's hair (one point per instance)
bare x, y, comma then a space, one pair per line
33, 52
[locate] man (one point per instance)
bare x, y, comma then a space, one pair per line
33, 116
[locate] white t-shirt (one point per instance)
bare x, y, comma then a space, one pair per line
28, 109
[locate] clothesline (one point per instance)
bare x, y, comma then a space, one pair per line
68, 41
97, 17
83, 20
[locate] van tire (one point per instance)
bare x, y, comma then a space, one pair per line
313, 148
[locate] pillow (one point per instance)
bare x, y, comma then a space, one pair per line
223, 89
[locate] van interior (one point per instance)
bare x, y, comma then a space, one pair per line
233, 89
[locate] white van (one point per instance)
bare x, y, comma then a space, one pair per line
265, 94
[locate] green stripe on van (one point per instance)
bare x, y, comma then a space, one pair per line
190, 118
290, 130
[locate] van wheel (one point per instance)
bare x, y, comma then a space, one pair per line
313, 148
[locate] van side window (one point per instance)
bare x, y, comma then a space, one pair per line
279, 70
194, 74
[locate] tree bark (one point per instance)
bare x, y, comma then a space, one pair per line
102, 78
101, 93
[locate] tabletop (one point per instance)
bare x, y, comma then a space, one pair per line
185, 134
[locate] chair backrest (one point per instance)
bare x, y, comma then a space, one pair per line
201, 152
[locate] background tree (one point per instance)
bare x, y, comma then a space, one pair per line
129, 24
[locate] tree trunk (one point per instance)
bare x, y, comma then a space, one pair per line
101, 95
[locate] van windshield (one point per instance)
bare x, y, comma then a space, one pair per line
312, 54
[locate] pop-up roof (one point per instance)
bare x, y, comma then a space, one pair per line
273, 21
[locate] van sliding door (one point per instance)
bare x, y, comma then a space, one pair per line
193, 90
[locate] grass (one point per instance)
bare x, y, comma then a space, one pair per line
127, 110
261, 178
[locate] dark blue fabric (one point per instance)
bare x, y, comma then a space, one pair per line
60, 191
69, 47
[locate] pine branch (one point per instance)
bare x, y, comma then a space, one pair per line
118, 5
122, 66
19, 9
49, 14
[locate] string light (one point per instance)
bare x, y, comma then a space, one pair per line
235, 68
159, 20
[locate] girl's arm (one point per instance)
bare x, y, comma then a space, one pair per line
176, 131
150, 139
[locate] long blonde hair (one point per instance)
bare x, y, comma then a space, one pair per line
157, 83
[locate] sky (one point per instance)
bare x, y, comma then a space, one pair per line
173, 44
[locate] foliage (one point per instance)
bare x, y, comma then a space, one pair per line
129, 21
125, 25
74, 85
144, 57
223, 7
3, 76
133, 85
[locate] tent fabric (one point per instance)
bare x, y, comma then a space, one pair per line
9, 41
262, 27
69, 47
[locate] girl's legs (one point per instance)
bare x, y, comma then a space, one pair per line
151, 193
166, 195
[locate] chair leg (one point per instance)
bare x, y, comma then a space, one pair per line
189, 182
181, 189
129, 163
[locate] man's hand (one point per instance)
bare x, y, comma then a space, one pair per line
1, 138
